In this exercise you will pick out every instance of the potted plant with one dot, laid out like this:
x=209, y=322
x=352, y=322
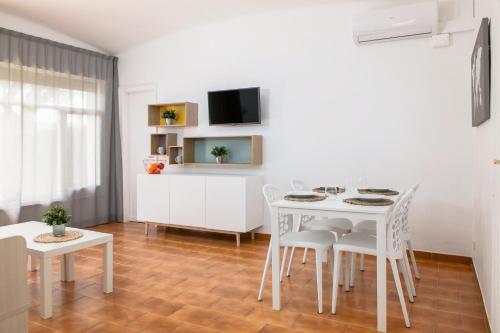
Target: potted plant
x=169, y=116
x=219, y=153
x=57, y=217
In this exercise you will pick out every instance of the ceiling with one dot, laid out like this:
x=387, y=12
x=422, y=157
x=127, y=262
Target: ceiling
x=116, y=25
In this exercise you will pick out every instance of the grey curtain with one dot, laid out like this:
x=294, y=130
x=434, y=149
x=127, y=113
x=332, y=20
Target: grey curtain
x=59, y=131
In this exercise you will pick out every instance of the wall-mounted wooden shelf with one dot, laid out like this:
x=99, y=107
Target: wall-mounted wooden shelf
x=187, y=114
x=243, y=150
x=162, y=140
x=173, y=152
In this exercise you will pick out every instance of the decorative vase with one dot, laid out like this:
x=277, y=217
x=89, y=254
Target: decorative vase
x=169, y=121
x=59, y=230
x=218, y=159
x=178, y=159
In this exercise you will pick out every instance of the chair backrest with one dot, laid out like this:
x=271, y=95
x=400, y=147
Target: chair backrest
x=406, y=224
x=272, y=194
x=395, y=227
x=299, y=185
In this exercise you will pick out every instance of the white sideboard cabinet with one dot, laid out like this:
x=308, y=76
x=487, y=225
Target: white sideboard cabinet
x=220, y=203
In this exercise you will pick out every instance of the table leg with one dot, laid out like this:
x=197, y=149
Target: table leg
x=381, y=274
x=275, y=255
x=32, y=263
x=108, y=267
x=46, y=287
x=68, y=267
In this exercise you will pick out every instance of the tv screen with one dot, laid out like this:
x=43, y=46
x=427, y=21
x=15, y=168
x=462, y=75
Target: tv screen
x=238, y=106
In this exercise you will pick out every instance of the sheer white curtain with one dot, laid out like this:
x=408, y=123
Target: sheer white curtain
x=52, y=123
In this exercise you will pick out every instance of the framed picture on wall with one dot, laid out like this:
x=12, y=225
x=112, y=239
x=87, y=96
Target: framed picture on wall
x=480, y=61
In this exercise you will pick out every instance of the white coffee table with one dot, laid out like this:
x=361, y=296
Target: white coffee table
x=46, y=251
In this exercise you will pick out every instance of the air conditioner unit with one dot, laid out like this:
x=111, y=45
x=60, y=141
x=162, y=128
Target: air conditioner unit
x=414, y=19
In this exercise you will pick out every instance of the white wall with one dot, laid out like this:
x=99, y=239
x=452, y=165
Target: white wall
x=486, y=235
x=394, y=113
x=19, y=24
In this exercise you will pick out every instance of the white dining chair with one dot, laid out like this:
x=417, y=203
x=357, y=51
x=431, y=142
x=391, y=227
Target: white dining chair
x=320, y=241
x=366, y=243
x=339, y=226
x=369, y=226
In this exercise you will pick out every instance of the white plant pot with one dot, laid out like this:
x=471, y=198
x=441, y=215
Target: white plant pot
x=59, y=230
x=218, y=159
x=169, y=121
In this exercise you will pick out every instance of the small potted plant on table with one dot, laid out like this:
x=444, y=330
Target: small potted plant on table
x=219, y=153
x=57, y=217
x=169, y=116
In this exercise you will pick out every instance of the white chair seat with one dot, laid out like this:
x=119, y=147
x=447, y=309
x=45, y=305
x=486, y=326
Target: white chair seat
x=369, y=226
x=340, y=226
x=318, y=240
x=359, y=242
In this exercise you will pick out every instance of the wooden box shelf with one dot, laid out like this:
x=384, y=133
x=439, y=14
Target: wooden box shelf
x=173, y=152
x=243, y=150
x=162, y=140
x=186, y=114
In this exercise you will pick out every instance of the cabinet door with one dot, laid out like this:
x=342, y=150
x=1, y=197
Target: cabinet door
x=225, y=203
x=153, y=198
x=187, y=200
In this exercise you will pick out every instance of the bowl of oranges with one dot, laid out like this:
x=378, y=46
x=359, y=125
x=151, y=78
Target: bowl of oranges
x=153, y=167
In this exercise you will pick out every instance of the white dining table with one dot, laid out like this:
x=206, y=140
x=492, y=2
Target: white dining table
x=333, y=207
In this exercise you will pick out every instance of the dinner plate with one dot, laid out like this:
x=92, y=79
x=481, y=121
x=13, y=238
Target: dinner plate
x=302, y=194
x=378, y=190
x=369, y=201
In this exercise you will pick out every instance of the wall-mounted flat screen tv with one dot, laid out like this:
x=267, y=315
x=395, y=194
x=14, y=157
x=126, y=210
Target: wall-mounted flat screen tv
x=234, y=107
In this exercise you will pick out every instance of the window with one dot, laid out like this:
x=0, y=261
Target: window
x=50, y=133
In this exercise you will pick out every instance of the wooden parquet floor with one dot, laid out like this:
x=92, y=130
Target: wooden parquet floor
x=180, y=281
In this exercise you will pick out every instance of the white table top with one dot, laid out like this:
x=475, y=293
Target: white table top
x=29, y=230
x=336, y=203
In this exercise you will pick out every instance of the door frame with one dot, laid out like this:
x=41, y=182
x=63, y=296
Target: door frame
x=124, y=92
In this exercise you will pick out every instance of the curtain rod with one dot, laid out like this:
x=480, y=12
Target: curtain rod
x=53, y=43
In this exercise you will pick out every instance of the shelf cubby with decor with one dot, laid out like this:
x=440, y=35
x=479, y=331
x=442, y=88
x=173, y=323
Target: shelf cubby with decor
x=186, y=114
x=173, y=152
x=243, y=150
x=165, y=140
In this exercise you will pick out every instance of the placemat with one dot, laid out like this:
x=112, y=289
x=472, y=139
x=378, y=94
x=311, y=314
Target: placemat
x=50, y=238
x=368, y=191
x=369, y=201
x=302, y=199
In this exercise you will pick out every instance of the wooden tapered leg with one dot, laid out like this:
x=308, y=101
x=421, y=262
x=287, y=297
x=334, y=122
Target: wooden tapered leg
x=238, y=240
x=146, y=228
